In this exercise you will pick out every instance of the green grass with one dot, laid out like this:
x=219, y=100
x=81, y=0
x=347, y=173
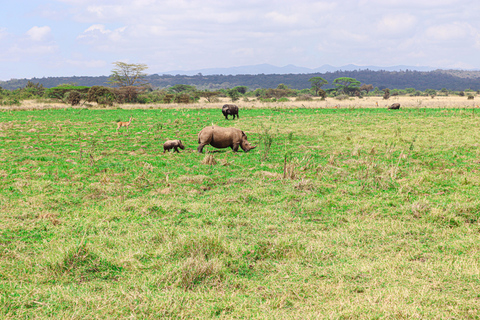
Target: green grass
x=349, y=213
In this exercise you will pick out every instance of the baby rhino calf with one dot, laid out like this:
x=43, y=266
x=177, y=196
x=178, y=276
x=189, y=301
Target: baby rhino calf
x=173, y=144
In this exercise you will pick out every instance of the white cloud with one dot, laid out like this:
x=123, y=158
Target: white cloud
x=89, y=64
x=39, y=33
x=447, y=32
x=98, y=34
x=396, y=24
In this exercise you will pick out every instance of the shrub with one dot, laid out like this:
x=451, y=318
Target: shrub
x=59, y=92
x=127, y=94
x=168, y=98
x=470, y=97
x=304, y=97
x=322, y=93
x=386, y=94
x=182, y=98
x=101, y=95
x=73, y=97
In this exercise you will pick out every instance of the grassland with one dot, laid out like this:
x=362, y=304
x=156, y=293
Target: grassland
x=339, y=213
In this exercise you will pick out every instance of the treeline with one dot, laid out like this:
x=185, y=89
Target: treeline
x=436, y=80
x=86, y=96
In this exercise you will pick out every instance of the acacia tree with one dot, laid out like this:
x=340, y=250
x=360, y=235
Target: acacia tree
x=366, y=87
x=347, y=85
x=128, y=74
x=317, y=83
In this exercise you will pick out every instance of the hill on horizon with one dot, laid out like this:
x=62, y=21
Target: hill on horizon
x=266, y=68
x=392, y=79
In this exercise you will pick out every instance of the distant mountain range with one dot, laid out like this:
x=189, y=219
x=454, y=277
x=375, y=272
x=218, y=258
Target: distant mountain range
x=268, y=76
x=288, y=69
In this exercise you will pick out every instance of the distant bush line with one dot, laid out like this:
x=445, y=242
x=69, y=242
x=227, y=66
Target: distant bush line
x=345, y=87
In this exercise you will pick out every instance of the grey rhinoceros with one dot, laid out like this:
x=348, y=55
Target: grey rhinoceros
x=219, y=137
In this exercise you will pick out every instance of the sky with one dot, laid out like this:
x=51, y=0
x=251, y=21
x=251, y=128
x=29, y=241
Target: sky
x=85, y=37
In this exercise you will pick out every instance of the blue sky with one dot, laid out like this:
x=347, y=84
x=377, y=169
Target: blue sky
x=84, y=37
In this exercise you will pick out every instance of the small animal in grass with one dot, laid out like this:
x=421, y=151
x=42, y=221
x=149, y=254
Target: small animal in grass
x=230, y=109
x=124, y=124
x=394, y=106
x=219, y=137
x=173, y=144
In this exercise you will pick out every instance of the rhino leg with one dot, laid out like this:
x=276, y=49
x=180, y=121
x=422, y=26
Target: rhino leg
x=235, y=147
x=200, y=147
x=176, y=149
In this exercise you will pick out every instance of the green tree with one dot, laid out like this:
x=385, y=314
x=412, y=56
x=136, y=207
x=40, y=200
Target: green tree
x=128, y=74
x=241, y=89
x=233, y=94
x=366, y=87
x=209, y=95
x=431, y=92
x=182, y=88
x=317, y=83
x=347, y=85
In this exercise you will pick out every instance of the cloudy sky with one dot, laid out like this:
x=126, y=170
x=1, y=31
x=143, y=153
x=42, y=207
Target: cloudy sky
x=84, y=37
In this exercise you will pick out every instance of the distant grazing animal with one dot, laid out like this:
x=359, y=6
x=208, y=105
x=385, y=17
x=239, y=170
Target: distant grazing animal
x=219, y=137
x=395, y=106
x=124, y=124
x=173, y=144
x=230, y=109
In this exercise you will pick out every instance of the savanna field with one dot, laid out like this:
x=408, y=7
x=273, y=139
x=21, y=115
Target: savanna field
x=346, y=212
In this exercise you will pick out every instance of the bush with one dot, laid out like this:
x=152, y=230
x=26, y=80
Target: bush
x=168, y=98
x=59, y=92
x=386, y=94
x=470, y=97
x=182, y=98
x=304, y=97
x=322, y=93
x=101, y=95
x=127, y=94
x=73, y=97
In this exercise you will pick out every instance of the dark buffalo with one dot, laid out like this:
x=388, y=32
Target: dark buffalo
x=230, y=109
x=394, y=106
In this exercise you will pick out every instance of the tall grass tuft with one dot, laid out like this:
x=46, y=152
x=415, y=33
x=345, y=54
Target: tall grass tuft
x=266, y=139
x=83, y=265
x=209, y=159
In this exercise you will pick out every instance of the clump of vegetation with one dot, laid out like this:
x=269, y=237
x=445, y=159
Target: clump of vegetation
x=73, y=97
x=101, y=95
x=386, y=94
x=209, y=159
x=304, y=97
